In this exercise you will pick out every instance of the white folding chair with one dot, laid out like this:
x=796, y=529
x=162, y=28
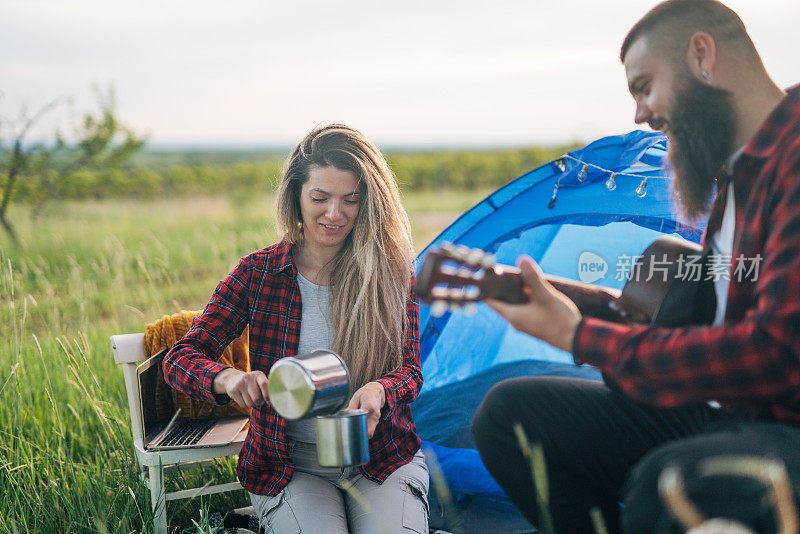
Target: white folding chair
x=128, y=351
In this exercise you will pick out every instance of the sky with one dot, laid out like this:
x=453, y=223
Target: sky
x=412, y=73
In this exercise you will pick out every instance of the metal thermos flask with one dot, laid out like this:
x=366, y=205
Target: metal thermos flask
x=310, y=384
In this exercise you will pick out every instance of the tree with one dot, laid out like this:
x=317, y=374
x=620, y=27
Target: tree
x=15, y=161
x=99, y=142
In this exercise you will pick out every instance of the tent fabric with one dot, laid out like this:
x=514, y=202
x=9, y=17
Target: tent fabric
x=585, y=215
x=447, y=412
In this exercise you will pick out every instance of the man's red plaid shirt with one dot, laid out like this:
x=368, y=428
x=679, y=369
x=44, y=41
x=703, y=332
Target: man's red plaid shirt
x=262, y=291
x=751, y=363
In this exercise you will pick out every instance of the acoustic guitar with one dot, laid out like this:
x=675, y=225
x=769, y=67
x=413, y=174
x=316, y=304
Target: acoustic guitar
x=667, y=286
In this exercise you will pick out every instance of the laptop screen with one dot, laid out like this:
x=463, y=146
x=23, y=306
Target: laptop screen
x=156, y=396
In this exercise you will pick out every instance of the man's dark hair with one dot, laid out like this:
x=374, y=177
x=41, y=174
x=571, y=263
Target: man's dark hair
x=670, y=24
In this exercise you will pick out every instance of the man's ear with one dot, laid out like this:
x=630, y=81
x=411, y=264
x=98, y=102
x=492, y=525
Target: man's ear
x=701, y=56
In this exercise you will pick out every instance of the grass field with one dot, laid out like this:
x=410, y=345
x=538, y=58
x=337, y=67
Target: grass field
x=88, y=270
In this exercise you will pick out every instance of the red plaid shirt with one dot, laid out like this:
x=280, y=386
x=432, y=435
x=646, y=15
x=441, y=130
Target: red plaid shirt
x=262, y=291
x=751, y=363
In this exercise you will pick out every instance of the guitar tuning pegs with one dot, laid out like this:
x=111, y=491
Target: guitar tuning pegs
x=460, y=252
x=438, y=308
x=455, y=294
x=488, y=261
x=474, y=257
x=470, y=308
x=466, y=272
x=471, y=293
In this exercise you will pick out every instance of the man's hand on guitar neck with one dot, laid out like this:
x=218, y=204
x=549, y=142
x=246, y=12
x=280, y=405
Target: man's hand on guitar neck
x=548, y=315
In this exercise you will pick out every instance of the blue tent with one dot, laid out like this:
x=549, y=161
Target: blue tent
x=584, y=216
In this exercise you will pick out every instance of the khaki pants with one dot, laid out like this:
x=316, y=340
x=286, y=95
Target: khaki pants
x=316, y=499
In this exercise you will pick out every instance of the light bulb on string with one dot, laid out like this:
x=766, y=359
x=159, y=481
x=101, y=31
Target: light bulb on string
x=641, y=191
x=553, y=198
x=583, y=173
x=611, y=183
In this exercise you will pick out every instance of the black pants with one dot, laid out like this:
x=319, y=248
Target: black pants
x=601, y=448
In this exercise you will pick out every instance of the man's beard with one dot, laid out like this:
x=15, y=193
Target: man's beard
x=700, y=140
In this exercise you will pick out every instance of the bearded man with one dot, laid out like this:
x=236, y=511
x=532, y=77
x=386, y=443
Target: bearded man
x=684, y=394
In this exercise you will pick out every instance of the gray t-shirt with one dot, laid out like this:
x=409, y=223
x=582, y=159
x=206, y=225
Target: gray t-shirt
x=316, y=332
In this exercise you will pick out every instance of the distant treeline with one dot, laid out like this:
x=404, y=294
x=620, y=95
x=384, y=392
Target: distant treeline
x=171, y=174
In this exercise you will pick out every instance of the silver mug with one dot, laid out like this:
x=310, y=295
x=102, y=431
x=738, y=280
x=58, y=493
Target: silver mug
x=342, y=438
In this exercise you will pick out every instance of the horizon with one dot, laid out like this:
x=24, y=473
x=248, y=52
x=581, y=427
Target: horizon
x=170, y=147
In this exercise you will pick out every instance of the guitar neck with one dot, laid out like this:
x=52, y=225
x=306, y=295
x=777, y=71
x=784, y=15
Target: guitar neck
x=456, y=275
x=593, y=301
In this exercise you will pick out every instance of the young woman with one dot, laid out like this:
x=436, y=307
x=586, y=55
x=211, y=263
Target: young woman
x=338, y=279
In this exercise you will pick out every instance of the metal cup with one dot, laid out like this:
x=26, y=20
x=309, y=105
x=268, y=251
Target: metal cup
x=309, y=384
x=342, y=439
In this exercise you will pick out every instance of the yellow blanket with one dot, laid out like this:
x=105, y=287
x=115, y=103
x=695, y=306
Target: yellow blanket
x=169, y=329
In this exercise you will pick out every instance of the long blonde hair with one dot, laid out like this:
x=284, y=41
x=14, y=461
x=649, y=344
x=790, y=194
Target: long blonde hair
x=370, y=275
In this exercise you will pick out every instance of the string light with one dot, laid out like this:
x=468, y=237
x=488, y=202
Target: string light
x=583, y=173
x=611, y=183
x=641, y=191
x=553, y=198
x=559, y=163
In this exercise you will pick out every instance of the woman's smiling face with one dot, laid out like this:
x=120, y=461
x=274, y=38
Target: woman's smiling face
x=329, y=202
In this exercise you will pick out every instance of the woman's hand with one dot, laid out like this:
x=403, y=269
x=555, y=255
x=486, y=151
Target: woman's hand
x=370, y=397
x=246, y=389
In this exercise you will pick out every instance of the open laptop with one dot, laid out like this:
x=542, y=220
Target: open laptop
x=182, y=433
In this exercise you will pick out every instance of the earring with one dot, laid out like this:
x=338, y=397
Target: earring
x=707, y=76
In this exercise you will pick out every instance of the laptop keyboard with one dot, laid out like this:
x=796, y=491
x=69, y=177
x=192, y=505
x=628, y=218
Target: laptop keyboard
x=186, y=432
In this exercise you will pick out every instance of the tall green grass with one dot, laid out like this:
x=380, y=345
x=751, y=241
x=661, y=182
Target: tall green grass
x=88, y=270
